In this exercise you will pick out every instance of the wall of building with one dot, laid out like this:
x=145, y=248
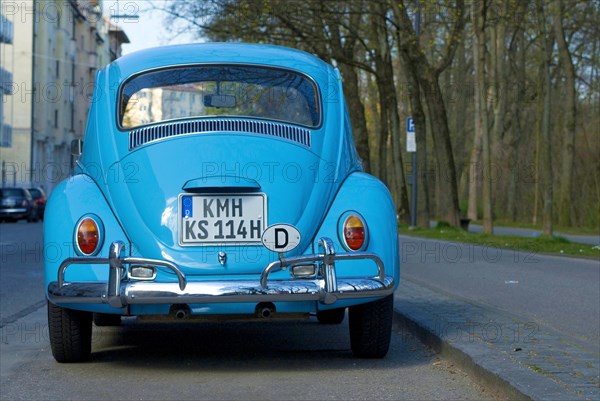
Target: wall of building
x=58, y=45
x=16, y=60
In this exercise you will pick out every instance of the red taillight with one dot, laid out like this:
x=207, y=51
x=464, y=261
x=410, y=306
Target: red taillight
x=354, y=232
x=25, y=203
x=88, y=236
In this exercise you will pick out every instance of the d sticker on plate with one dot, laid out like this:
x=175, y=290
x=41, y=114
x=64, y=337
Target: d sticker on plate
x=281, y=238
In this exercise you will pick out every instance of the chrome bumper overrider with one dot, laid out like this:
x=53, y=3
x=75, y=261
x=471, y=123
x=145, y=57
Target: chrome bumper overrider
x=325, y=287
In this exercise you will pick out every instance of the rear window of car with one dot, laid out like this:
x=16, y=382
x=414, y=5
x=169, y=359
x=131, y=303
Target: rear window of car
x=35, y=193
x=8, y=192
x=219, y=91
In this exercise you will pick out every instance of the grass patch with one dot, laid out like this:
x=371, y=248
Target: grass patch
x=537, y=369
x=538, y=227
x=541, y=244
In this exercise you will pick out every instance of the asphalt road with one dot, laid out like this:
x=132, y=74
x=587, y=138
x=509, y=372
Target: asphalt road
x=558, y=292
x=272, y=360
x=21, y=274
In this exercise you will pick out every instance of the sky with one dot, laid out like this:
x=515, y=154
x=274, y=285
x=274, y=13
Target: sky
x=146, y=31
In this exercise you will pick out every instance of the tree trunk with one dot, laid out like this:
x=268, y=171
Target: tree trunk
x=390, y=120
x=446, y=171
x=546, y=147
x=418, y=115
x=378, y=39
x=402, y=206
x=428, y=78
x=383, y=136
x=474, y=168
x=513, y=134
x=481, y=118
x=459, y=117
x=570, y=112
x=499, y=83
x=512, y=163
x=389, y=104
x=344, y=51
x=356, y=109
x=538, y=153
x=372, y=109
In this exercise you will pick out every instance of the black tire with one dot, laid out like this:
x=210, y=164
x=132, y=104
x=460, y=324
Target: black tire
x=33, y=216
x=106, y=319
x=70, y=334
x=331, y=316
x=371, y=328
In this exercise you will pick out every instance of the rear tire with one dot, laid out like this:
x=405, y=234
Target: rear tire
x=70, y=334
x=371, y=328
x=331, y=316
x=106, y=319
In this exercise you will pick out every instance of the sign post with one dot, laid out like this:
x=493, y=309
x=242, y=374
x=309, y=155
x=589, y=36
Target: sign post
x=411, y=146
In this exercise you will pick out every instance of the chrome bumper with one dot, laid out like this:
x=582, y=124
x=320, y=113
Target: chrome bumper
x=325, y=287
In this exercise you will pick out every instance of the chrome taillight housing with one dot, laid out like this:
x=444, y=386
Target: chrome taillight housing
x=354, y=234
x=88, y=235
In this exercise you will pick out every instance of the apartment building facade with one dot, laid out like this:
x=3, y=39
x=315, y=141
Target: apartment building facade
x=58, y=45
x=6, y=79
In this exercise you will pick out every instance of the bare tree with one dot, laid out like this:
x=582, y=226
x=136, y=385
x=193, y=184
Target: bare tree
x=531, y=52
x=478, y=17
x=427, y=76
x=546, y=147
x=565, y=203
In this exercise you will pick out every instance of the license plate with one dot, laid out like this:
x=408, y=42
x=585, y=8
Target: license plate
x=222, y=219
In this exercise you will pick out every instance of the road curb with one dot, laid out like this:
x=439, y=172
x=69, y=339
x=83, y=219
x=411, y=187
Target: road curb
x=461, y=359
x=516, y=359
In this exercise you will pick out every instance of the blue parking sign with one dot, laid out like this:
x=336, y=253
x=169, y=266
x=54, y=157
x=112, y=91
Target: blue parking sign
x=410, y=124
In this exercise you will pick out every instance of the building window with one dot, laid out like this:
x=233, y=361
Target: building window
x=5, y=136
x=6, y=30
x=73, y=26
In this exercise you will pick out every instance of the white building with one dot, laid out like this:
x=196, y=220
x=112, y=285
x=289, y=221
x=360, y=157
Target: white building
x=57, y=47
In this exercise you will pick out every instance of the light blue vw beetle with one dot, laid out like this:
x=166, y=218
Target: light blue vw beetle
x=220, y=180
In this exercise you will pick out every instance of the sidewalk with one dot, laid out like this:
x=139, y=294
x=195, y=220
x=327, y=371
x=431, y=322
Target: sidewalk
x=517, y=358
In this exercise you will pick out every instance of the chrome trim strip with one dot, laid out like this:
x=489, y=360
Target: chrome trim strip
x=327, y=288
x=276, y=265
x=153, y=133
x=146, y=292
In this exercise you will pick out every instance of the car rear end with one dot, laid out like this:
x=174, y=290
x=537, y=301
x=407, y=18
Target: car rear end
x=39, y=199
x=223, y=189
x=15, y=204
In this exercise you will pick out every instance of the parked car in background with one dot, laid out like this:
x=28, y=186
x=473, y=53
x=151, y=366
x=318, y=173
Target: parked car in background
x=17, y=204
x=39, y=198
x=217, y=181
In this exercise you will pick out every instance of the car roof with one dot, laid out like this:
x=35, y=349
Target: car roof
x=220, y=53
x=25, y=190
